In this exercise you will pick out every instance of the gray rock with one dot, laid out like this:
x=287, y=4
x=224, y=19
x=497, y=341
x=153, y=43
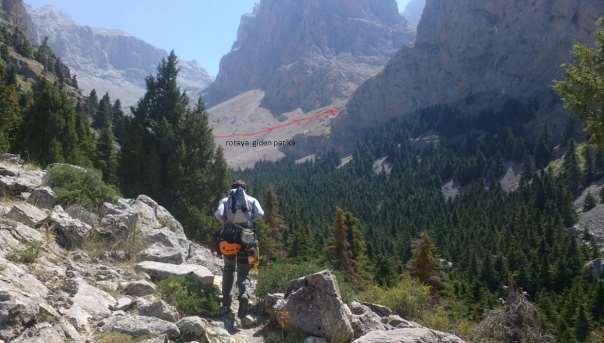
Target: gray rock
x=159, y=309
x=122, y=304
x=196, y=328
x=397, y=321
x=26, y=214
x=313, y=305
x=380, y=310
x=192, y=328
x=15, y=178
x=159, y=271
x=139, y=288
x=71, y=232
x=365, y=320
x=42, y=333
x=272, y=303
x=158, y=339
x=203, y=256
x=409, y=335
x=458, y=43
x=16, y=236
x=137, y=326
x=89, y=303
x=81, y=213
x=43, y=197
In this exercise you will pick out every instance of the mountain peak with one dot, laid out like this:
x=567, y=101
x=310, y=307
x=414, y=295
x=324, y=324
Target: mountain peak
x=291, y=41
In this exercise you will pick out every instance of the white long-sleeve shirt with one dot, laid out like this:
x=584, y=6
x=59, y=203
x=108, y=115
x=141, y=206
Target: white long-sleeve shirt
x=256, y=210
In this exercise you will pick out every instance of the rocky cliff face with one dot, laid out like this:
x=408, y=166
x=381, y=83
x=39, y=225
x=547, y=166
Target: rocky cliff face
x=294, y=59
x=109, y=60
x=476, y=53
x=413, y=11
x=304, y=54
x=14, y=13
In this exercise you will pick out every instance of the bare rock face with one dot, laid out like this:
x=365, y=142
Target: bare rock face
x=476, y=53
x=413, y=11
x=313, y=305
x=307, y=53
x=109, y=60
x=409, y=335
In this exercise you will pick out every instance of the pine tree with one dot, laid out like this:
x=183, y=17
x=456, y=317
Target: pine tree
x=423, y=265
x=343, y=254
x=168, y=152
x=601, y=194
x=583, y=86
x=272, y=240
x=10, y=117
x=589, y=203
x=358, y=247
x=385, y=271
x=85, y=136
x=571, y=171
x=49, y=133
x=118, y=121
x=590, y=167
x=107, y=155
x=582, y=325
x=92, y=105
x=543, y=149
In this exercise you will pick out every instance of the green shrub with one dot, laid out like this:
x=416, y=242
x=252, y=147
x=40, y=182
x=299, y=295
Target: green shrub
x=74, y=184
x=189, y=296
x=27, y=255
x=408, y=298
x=275, y=277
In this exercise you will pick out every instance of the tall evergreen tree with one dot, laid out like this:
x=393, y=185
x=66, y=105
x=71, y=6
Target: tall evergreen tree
x=423, y=265
x=48, y=133
x=10, y=116
x=118, y=120
x=168, y=152
x=583, y=86
x=273, y=238
x=571, y=170
x=107, y=155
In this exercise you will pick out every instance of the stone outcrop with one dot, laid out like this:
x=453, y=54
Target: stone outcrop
x=304, y=54
x=475, y=55
x=138, y=326
x=313, y=304
x=408, y=335
x=109, y=60
x=159, y=271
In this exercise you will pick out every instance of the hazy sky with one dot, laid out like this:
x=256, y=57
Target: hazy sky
x=203, y=30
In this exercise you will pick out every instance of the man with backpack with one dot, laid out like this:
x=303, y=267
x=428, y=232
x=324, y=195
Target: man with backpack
x=236, y=242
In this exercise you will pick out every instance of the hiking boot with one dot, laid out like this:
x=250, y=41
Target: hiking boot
x=243, y=306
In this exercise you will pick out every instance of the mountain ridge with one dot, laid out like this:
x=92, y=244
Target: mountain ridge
x=109, y=60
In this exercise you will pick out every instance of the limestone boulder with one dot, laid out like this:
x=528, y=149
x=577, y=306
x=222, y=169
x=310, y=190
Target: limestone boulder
x=138, y=326
x=26, y=214
x=43, y=197
x=159, y=271
x=313, y=304
x=408, y=335
x=71, y=232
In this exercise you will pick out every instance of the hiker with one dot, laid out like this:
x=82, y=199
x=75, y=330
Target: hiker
x=236, y=242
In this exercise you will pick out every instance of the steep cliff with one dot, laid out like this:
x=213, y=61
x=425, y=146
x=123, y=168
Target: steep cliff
x=305, y=54
x=413, y=11
x=477, y=53
x=109, y=60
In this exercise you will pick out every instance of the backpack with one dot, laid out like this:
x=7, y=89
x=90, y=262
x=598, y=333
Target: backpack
x=236, y=209
x=228, y=239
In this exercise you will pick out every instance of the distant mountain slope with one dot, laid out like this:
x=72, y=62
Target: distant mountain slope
x=293, y=58
x=109, y=60
x=413, y=11
x=304, y=54
x=477, y=53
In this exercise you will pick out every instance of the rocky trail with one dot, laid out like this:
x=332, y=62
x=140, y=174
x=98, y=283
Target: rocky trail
x=74, y=275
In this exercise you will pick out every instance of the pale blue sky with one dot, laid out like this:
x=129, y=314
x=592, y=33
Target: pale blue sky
x=203, y=30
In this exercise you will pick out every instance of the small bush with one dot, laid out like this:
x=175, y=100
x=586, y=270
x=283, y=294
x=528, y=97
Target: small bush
x=189, y=296
x=74, y=184
x=409, y=298
x=27, y=255
x=276, y=277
